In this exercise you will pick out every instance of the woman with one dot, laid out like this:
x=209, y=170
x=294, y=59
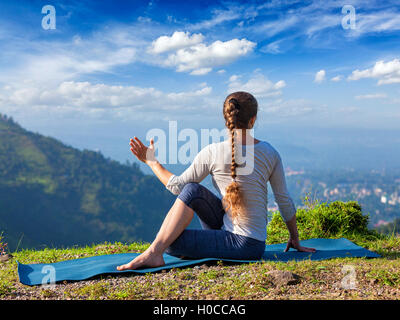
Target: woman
x=233, y=227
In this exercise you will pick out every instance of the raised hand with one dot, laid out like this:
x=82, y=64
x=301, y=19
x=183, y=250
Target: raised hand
x=143, y=153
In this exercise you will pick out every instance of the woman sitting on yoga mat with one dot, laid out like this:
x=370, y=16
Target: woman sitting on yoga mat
x=234, y=227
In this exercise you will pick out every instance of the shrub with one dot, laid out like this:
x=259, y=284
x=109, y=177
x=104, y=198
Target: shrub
x=322, y=220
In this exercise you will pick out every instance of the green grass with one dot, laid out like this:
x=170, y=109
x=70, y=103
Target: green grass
x=375, y=278
x=216, y=281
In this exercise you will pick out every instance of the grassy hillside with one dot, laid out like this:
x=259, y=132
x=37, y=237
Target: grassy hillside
x=374, y=278
x=54, y=195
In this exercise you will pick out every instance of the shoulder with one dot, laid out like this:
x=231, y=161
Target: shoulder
x=208, y=150
x=266, y=148
x=215, y=152
x=217, y=146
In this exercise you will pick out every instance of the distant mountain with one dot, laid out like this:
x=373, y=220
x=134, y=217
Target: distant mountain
x=55, y=195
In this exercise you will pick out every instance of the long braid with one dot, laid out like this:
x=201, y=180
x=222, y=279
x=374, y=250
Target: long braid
x=232, y=113
x=233, y=198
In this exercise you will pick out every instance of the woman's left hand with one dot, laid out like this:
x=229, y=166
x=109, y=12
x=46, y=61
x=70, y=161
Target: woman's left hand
x=295, y=244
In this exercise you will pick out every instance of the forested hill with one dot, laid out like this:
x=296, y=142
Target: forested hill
x=54, y=195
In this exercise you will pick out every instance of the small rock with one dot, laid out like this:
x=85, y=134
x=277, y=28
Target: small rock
x=280, y=277
x=5, y=257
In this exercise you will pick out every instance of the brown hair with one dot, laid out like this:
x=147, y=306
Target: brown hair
x=239, y=108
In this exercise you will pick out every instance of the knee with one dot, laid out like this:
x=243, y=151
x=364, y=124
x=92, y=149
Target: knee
x=189, y=192
x=191, y=188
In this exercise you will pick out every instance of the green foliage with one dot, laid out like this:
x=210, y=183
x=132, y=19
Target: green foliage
x=322, y=220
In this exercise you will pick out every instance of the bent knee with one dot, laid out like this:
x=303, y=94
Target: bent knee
x=192, y=188
x=189, y=192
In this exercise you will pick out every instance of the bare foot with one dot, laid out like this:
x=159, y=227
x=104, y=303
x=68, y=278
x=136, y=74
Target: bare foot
x=146, y=259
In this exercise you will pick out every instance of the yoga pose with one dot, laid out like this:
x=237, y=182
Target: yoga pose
x=233, y=226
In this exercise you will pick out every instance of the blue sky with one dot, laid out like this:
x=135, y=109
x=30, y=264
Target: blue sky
x=113, y=69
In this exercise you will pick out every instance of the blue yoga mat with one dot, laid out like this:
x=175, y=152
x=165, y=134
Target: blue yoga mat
x=85, y=268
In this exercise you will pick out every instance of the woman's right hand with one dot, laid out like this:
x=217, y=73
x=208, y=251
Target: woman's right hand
x=143, y=153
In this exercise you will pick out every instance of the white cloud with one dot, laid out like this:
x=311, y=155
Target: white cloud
x=56, y=61
x=219, y=16
x=272, y=28
x=273, y=47
x=201, y=71
x=258, y=85
x=234, y=77
x=201, y=58
x=377, y=22
x=372, y=96
x=233, y=12
x=320, y=76
x=178, y=40
x=87, y=96
x=336, y=78
x=385, y=72
x=319, y=23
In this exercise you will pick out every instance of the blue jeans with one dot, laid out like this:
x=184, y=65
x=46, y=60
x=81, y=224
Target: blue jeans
x=211, y=241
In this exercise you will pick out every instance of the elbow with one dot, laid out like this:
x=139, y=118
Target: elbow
x=173, y=185
x=287, y=209
x=175, y=190
x=288, y=217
